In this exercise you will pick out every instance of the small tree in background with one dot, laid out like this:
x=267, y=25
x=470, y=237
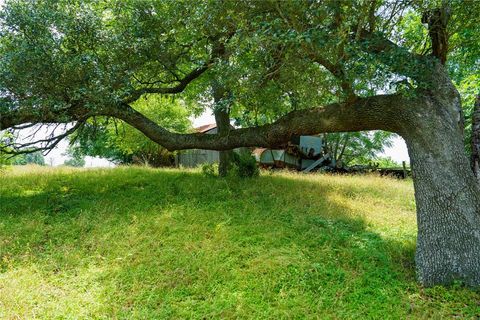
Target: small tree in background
x=76, y=159
x=4, y=139
x=29, y=158
x=123, y=144
x=357, y=147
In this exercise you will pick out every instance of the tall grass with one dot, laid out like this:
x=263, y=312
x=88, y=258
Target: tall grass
x=151, y=244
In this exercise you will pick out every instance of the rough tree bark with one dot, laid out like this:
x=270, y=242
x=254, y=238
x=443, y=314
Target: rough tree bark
x=222, y=110
x=475, y=160
x=222, y=119
x=446, y=193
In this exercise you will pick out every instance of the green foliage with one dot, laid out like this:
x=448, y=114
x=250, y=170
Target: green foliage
x=209, y=169
x=56, y=54
x=469, y=88
x=87, y=49
x=3, y=160
x=357, y=147
x=387, y=162
x=244, y=164
x=5, y=139
x=121, y=143
x=140, y=243
x=29, y=158
x=77, y=161
x=101, y=52
x=76, y=158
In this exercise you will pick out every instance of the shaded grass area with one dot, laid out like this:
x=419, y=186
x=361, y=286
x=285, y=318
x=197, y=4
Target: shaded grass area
x=144, y=243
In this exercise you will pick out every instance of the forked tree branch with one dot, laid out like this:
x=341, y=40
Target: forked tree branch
x=400, y=60
x=182, y=84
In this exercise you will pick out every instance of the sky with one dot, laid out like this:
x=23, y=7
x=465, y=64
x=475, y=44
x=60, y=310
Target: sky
x=398, y=151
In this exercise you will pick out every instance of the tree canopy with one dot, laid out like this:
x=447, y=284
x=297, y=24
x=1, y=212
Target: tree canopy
x=66, y=61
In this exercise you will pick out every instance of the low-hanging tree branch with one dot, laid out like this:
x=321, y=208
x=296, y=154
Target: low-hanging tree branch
x=357, y=114
x=380, y=112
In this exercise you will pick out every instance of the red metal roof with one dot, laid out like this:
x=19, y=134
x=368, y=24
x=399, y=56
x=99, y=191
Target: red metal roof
x=259, y=151
x=205, y=128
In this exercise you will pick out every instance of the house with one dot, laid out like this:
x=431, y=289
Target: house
x=304, y=153
x=194, y=157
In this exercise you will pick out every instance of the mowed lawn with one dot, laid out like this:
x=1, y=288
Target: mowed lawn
x=138, y=243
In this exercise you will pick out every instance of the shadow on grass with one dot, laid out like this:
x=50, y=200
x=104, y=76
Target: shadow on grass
x=177, y=244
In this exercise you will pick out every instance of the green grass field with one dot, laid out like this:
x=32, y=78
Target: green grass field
x=138, y=243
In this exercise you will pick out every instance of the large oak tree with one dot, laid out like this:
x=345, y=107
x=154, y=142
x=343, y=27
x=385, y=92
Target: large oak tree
x=328, y=66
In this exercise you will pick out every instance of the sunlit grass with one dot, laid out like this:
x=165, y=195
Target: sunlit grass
x=144, y=243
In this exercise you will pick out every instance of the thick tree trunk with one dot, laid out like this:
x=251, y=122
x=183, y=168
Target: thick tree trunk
x=222, y=119
x=446, y=193
x=475, y=160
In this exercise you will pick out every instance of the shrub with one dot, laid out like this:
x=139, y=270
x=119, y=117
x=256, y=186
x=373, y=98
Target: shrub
x=245, y=165
x=209, y=169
